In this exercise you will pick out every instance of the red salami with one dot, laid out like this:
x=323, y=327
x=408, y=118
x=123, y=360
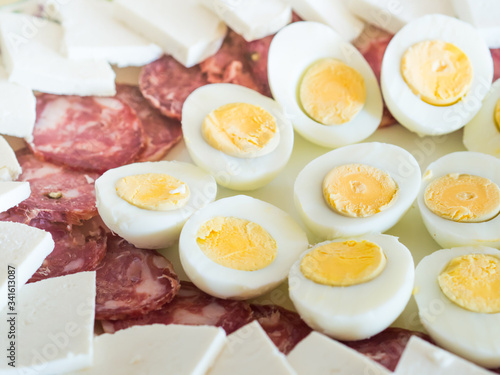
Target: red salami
x=191, y=306
x=387, y=347
x=132, y=282
x=284, y=327
x=57, y=194
x=161, y=133
x=495, y=54
x=86, y=133
x=166, y=84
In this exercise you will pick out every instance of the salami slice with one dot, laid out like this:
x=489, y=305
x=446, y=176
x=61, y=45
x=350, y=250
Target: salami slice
x=191, y=306
x=495, y=54
x=284, y=327
x=161, y=133
x=132, y=282
x=166, y=84
x=387, y=347
x=86, y=133
x=58, y=194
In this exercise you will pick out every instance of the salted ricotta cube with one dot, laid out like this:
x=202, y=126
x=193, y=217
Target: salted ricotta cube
x=391, y=15
x=421, y=357
x=252, y=19
x=24, y=248
x=320, y=355
x=250, y=351
x=31, y=51
x=333, y=13
x=9, y=166
x=184, y=29
x=12, y=193
x=92, y=32
x=54, y=326
x=483, y=15
x=157, y=349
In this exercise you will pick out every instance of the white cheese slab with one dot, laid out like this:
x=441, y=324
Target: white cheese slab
x=23, y=247
x=252, y=19
x=421, y=357
x=250, y=351
x=12, y=193
x=392, y=15
x=92, y=32
x=333, y=13
x=184, y=29
x=54, y=326
x=484, y=15
x=9, y=166
x=320, y=355
x=31, y=51
x=157, y=349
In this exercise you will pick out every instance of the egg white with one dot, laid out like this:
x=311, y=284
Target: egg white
x=359, y=311
x=292, y=51
x=471, y=335
x=150, y=229
x=229, y=171
x=412, y=112
x=225, y=282
x=448, y=233
x=326, y=223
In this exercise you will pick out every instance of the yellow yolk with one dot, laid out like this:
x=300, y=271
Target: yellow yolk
x=241, y=130
x=153, y=191
x=359, y=190
x=463, y=198
x=438, y=72
x=344, y=263
x=497, y=115
x=236, y=243
x=331, y=92
x=473, y=282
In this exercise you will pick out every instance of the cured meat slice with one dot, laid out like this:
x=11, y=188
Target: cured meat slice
x=387, y=347
x=131, y=282
x=191, y=306
x=166, y=84
x=86, y=133
x=58, y=194
x=495, y=54
x=284, y=327
x=161, y=133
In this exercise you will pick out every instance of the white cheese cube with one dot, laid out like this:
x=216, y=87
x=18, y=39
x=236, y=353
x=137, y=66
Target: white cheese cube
x=184, y=29
x=252, y=19
x=54, y=326
x=12, y=193
x=318, y=354
x=157, y=349
x=31, y=50
x=484, y=15
x=421, y=357
x=9, y=166
x=92, y=32
x=24, y=248
x=250, y=351
x=333, y=13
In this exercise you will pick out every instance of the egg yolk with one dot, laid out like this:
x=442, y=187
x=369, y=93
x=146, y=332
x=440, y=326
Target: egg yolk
x=153, y=191
x=359, y=190
x=344, y=263
x=236, y=243
x=438, y=72
x=331, y=92
x=241, y=130
x=473, y=282
x=463, y=198
x=497, y=115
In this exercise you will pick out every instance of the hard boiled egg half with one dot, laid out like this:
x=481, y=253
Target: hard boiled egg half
x=240, y=247
x=324, y=84
x=148, y=203
x=458, y=296
x=239, y=136
x=357, y=189
x=352, y=289
x=460, y=200
x=435, y=74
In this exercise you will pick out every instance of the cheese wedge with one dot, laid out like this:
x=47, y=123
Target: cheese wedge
x=12, y=193
x=483, y=15
x=9, y=166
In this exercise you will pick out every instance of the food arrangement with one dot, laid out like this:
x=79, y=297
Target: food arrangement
x=196, y=219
